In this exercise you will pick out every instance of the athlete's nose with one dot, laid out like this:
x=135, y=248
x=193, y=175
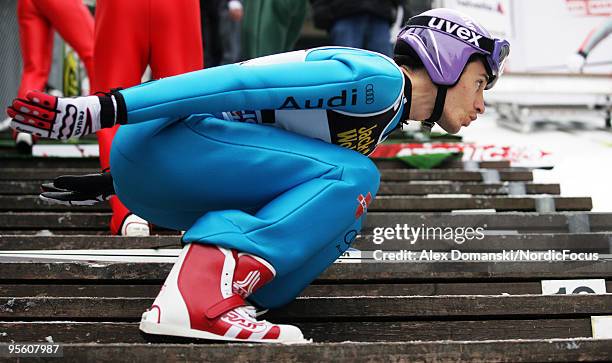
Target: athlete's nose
x=479, y=104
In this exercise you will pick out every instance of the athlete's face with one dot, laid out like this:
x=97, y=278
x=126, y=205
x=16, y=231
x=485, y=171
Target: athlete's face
x=465, y=100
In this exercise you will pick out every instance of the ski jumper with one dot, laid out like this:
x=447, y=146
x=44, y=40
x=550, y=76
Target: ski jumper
x=37, y=19
x=129, y=35
x=266, y=156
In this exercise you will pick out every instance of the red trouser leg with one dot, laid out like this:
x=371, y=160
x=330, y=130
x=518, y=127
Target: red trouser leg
x=75, y=25
x=127, y=38
x=36, y=22
x=37, y=19
x=120, y=211
x=121, y=53
x=176, y=40
x=36, y=37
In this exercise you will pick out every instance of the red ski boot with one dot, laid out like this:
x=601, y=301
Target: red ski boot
x=197, y=299
x=251, y=273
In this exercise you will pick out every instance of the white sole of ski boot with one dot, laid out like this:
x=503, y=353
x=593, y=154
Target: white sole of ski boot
x=134, y=226
x=177, y=331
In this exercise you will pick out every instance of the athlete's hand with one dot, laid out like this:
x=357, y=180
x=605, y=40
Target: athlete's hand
x=56, y=118
x=86, y=189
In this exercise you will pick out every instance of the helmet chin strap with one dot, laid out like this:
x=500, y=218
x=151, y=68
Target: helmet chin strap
x=438, y=108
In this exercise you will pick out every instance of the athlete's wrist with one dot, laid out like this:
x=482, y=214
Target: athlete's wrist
x=112, y=109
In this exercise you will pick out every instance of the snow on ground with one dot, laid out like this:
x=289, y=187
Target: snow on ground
x=582, y=156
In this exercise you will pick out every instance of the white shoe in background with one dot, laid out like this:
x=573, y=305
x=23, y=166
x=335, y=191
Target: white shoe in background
x=5, y=124
x=134, y=226
x=24, y=142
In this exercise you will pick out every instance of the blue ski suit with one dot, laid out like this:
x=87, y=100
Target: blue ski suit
x=267, y=156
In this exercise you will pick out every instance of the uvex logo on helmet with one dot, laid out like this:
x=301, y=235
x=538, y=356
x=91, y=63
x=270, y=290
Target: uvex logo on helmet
x=457, y=30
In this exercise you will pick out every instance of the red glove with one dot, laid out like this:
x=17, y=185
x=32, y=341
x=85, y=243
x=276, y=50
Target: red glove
x=61, y=118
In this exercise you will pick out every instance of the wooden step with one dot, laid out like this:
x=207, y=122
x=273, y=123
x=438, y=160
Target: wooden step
x=450, y=164
x=535, y=350
x=150, y=289
x=21, y=203
x=510, y=222
x=15, y=174
x=444, y=204
x=14, y=269
x=8, y=161
x=453, y=175
x=121, y=332
x=325, y=308
x=19, y=174
x=12, y=160
x=581, y=242
x=55, y=221
x=424, y=188
x=32, y=187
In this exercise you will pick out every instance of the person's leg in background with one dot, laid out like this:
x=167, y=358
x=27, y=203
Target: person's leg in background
x=378, y=35
x=176, y=38
x=211, y=32
x=349, y=31
x=271, y=26
x=75, y=25
x=230, y=28
x=301, y=195
x=297, y=14
x=124, y=44
x=36, y=37
x=37, y=20
x=250, y=28
x=121, y=53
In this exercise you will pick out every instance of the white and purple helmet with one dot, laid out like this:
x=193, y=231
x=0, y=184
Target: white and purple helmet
x=445, y=39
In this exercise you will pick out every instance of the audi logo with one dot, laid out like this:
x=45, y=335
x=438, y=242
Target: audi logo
x=369, y=93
